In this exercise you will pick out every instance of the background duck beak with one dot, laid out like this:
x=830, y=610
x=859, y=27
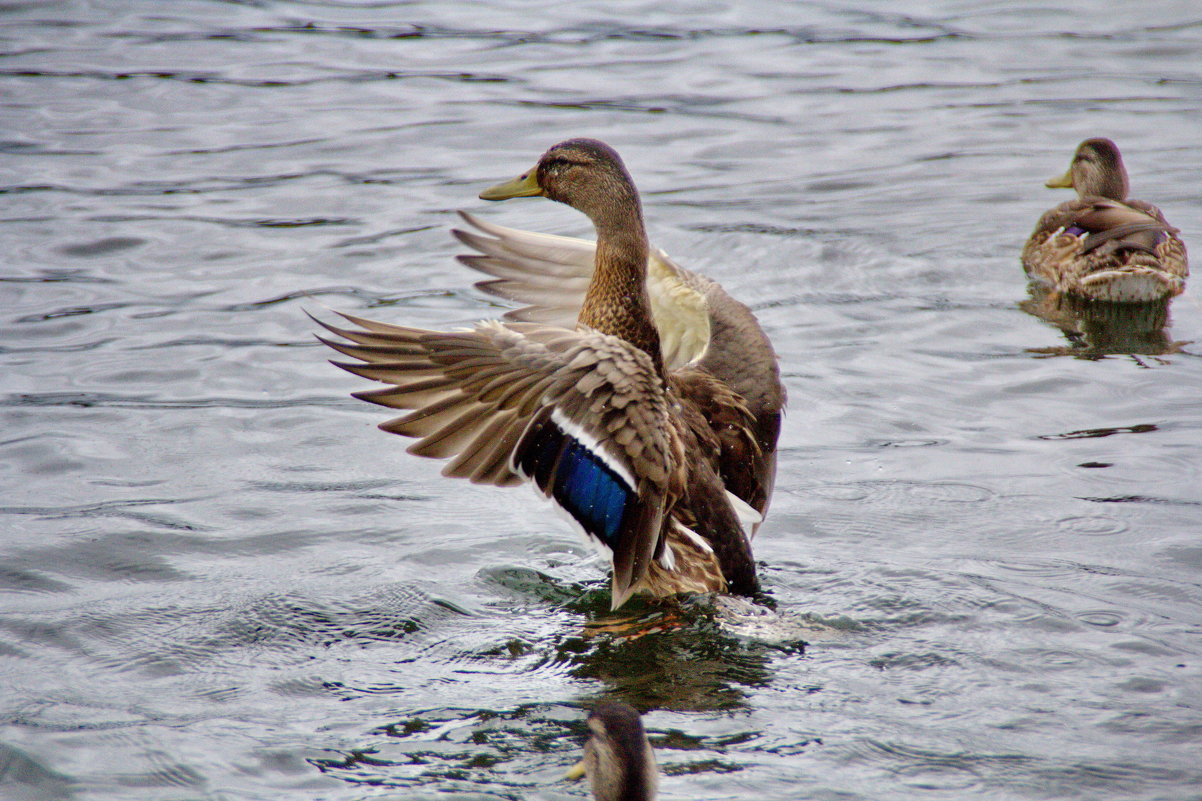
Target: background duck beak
x=525, y=185
x=1062, y=182
x=576, y=771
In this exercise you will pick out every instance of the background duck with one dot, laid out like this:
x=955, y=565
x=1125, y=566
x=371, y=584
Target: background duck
x=633, y=448
x=618, y=759
x=1103, y=246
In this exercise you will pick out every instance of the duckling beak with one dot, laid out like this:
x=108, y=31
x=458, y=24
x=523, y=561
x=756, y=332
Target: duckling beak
x=525, y=185
x=1062, y=182
x=576, y=771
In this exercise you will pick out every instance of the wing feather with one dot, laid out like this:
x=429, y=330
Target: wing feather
x=583, y=415
x=549, y=275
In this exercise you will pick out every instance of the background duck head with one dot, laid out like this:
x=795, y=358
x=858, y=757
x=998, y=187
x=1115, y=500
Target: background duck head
x=618, y=759
x=1096, y=171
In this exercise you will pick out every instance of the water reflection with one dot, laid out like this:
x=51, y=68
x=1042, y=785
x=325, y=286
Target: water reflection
x=694, y=653
x=1095, y=330
x=680, y=658
x=26, y=777
x=655, y=655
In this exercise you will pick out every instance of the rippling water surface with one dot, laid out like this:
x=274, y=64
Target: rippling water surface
x=219, y=580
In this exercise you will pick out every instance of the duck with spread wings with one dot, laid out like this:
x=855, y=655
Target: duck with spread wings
x=651, y=417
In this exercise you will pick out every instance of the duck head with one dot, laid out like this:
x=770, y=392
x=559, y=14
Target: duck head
x=1096, y=171
x=586, y=174
x=618, y=760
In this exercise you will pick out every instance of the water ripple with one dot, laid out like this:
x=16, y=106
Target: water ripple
x=1094, y=526
x=89, y=400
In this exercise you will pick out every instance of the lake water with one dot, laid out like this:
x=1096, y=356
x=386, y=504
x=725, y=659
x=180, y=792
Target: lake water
x=219, y=580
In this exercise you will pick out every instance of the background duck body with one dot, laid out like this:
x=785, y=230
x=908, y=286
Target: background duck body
x=635, y=447
x=1102, y=246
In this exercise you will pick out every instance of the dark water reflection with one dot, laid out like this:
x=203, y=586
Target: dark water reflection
x=1097, y=330
x=219, y=580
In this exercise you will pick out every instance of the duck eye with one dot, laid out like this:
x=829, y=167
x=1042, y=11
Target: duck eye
x=557, y=164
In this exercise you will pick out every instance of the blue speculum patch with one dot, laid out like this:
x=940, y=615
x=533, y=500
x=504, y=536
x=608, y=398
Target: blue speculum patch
x=579, y=480
x=592, y=492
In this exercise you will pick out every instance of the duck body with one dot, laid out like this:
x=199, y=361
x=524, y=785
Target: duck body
x=703, y=331
x=634, y=447
x=1103, y=246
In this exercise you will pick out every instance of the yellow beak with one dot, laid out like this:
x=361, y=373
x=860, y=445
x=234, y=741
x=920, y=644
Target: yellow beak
x=576, y=771
x=1062, y=182
x=525, y=185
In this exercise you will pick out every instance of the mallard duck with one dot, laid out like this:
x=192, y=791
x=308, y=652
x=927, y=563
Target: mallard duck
x=618, y=759
x=1103, y=246
x=636, y=448
x=698, y=322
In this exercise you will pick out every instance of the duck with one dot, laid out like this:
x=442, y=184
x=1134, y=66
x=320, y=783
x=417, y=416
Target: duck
x=698, y=322
x=618, y=759
x=1104, y=246
x=663, y=456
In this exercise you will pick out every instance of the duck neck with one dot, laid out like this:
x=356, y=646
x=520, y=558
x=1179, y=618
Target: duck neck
x=1106, y=177
x=617, y=302
x=1112, y=185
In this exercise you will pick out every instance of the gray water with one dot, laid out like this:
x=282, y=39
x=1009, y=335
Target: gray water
x=219, y=580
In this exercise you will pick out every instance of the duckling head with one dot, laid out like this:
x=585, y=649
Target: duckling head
x=618, y=760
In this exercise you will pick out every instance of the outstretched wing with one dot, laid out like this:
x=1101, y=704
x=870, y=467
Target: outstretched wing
x=550, y=274
x=582, y=415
